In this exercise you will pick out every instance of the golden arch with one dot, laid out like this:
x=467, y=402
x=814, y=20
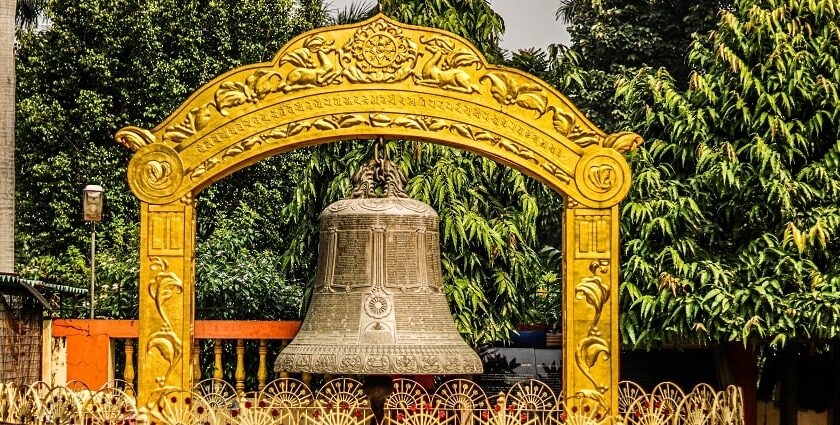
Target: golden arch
x=379, y=77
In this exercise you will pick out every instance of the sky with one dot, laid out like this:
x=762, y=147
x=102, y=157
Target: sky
x=528, y=23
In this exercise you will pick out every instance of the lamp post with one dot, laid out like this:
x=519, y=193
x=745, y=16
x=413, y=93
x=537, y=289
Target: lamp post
x=93, y=197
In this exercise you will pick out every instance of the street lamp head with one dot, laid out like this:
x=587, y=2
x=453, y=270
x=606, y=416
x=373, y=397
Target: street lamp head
x=93, y=197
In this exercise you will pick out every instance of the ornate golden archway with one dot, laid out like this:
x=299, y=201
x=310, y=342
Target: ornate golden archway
x=379, y=77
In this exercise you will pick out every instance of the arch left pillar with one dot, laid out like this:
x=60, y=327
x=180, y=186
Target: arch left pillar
x=167, y=298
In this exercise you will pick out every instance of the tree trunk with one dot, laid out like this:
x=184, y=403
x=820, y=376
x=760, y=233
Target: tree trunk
x=7, y=135
x=789, y=403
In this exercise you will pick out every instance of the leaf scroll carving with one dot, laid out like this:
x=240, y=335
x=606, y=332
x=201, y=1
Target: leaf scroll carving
x=255, y=88
x=165, y=341
x=508, y=91
x=593, y=347
x=134, y=138
x=589, y=351
x=623, y=142
x=195, y=120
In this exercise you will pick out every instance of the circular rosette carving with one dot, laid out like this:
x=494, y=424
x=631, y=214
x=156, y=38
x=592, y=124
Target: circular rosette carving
x=155, y=172
x=377, y=305
x=379, y=52
x=603, y=176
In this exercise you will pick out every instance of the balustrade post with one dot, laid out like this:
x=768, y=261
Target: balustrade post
x=240, y=367
x=217, y=360
x=128, y=371
x=262, y=371
x=196, y=362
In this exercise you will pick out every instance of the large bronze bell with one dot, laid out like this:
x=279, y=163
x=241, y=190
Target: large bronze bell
x=378, y=306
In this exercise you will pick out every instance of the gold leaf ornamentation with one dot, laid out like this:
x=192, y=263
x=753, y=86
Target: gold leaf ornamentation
x=242, y=146
x=380, y=120
x=158, y=173
x=196, y=119
x=563, y=120
x=508, y=91
x=298, y=127
x=325, y=124
x=256, y=87
x=584, y=138
x=163, y=286
x=596, y=293
x=203, y=168
x=443, y=69
x=134, y=138
x=351, y=120
x=589, y=350
x=522, y=151
x=601, y=176
x=623, y=142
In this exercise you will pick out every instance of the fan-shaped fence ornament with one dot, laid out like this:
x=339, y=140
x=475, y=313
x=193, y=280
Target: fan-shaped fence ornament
x=124, y=386
x=628, y=392
x=219, y=394
x=343, y=402
x=580, y=410
x=532, y=395
x=696, y=407
x=407, y=394
x=729, y=407
x=286, y=392
x=250, y=412
x=26, y=405
x=343, y=394
x=61, y=406
x=41, y=388
x=110, y=405
x=183, y=407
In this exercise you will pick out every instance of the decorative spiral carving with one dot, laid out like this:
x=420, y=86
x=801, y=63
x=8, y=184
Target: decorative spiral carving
x=600, y=176
x=155, y=172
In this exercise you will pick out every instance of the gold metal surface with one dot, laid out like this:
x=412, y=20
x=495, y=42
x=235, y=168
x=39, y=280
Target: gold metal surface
x=378, y=306
x=379, y=78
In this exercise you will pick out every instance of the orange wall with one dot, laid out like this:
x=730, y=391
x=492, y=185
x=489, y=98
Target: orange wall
x=89, y=354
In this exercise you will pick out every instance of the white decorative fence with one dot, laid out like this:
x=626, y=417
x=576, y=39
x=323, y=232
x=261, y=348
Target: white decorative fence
x=343, y=401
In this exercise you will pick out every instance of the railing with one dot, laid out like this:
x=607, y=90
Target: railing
x=98, y=351
x=342, y=401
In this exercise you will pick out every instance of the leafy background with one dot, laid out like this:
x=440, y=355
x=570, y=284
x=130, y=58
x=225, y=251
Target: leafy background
x=729, y=233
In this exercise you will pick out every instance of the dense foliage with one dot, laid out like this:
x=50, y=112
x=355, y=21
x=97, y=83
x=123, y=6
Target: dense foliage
x=614, y=38
x=105, y=64
x=729, y=233
x=731, y=230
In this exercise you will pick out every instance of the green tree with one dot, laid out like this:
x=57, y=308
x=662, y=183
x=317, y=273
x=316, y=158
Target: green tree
x=611, y=39
x=28, y=13
x=731, y=229
x=104, y=64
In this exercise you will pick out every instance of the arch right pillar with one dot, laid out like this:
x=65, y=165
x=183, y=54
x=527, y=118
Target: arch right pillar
x=591, y=339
